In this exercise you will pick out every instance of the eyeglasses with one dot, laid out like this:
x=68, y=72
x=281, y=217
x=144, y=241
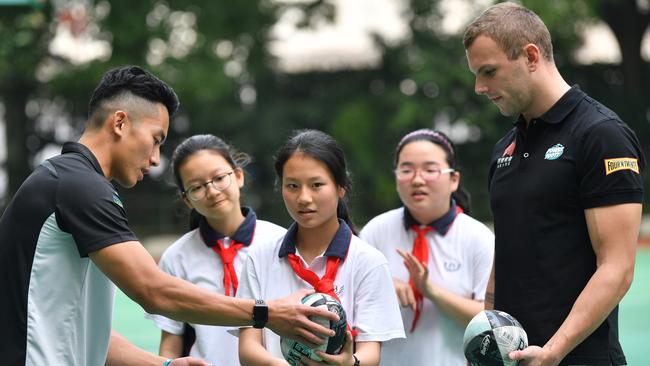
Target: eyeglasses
x=428, y=174
x=219, y=182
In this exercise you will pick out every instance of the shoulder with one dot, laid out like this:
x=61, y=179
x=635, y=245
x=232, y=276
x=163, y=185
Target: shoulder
x=364, y=254
x=269, y=230
x=186, y=243
x=384, y=221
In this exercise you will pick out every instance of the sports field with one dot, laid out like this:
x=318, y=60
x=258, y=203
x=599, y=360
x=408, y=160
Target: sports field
x=634, y=317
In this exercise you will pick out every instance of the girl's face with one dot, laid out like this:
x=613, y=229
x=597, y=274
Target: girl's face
x=309, y=191
x=207, y=166
x=422, y=183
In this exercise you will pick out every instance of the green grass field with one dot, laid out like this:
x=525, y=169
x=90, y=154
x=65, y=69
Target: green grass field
x=634, y=318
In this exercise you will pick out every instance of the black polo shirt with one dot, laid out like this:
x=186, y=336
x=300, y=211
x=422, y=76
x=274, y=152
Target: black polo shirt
x=56, y=305
x=578, y=155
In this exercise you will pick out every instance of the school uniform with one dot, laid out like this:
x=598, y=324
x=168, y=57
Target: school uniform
x=363, y=284
x=193, y=258
x=461, y=250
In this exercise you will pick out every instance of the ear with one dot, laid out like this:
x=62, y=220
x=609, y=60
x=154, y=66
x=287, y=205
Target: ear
x=341, y=192
x=455, y=181
x=187, y=202
x=118, y=121
x=239, y=177
x=533, y=56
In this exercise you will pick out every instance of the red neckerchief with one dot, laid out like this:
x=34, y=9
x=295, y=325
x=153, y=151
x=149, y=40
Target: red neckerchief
x=324, y=284
x=228, y=256
x=421, y=253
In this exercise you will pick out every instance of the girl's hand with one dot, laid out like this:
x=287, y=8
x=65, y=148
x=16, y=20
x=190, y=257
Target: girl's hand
x=418, y=272
x=342, y=359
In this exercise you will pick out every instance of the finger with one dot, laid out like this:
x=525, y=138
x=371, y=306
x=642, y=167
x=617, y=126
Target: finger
x=410, y=296
x=311, y=311
x=308, y=339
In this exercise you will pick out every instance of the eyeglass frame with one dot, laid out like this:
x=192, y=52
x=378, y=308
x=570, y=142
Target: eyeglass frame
x=415, y=172
x=186, y=193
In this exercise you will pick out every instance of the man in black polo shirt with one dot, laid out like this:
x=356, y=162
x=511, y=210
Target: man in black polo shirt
x=566, y=193
x=64, y=241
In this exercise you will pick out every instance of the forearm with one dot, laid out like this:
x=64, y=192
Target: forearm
x=600, y=296
x=171, y=345
x=252, y=352
x=122, y=353
x=459, y=308
x=180, y=300
x=368, y=353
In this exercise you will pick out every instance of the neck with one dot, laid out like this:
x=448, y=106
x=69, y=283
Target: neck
x=227, y=225
x=94, y=141
x=430, y=215
x=548, y=89
x=312, y=242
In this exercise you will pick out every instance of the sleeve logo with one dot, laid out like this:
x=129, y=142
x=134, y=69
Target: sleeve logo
x=117, y=200
x=614, y=165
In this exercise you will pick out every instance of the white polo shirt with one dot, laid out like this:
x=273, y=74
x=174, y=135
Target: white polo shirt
x=363, y=283
x=459, y=260
x=191, y=259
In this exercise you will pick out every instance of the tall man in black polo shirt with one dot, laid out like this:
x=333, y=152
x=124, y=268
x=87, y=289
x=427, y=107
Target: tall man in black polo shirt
x=565, y=190
x=64, y=241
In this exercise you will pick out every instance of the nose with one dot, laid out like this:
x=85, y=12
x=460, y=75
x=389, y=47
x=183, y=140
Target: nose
x=479, y=87
x=417, y=177
x=304, y=196
x=155, y=157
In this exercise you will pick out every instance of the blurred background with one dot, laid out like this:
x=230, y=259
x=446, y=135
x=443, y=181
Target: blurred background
x=365, y=71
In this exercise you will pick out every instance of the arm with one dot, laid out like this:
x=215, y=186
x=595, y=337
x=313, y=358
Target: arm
x=457, y=307
x=489, y=292
x=613, y=231
x=123, y=353
x=134, y=271
x=252, y=352
x=171, y=345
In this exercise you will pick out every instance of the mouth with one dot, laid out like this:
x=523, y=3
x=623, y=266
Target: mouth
x=306, y=212
x=495, y=99
x=419, y=195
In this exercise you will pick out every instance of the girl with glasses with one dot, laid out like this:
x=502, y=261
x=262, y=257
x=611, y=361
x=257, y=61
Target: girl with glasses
x=209, y=174
x=320, y=251
x=440, y=258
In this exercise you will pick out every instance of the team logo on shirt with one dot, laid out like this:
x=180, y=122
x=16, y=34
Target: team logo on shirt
x=338, y=290
x=614, y=165
x=554, y=152
x=506, y=157
x=451, y=266
x=117, y=200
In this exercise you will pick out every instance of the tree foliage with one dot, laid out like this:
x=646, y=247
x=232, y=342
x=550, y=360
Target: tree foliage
x=216, y=57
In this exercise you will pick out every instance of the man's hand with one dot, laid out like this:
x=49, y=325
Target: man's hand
x=289, y=318
x=534, y=356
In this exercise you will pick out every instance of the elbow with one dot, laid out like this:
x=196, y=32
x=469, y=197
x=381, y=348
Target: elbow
x=151, y=298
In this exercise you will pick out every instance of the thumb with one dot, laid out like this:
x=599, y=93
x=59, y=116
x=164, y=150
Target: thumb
x=521, y=354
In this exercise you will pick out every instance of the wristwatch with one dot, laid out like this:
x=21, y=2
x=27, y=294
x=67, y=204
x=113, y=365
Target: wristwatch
x=356, y=360
x=260, y=314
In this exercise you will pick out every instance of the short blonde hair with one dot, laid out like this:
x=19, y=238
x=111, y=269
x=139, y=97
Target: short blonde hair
x=511, y=26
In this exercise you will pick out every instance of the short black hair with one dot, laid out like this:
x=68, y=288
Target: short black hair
x=136, y=81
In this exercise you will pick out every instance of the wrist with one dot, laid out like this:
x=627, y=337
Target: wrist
x=168, y=362
x=260, y=314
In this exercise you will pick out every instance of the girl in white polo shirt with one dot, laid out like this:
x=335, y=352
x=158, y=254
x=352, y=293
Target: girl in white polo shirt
x=209, y=174
x=311, y=169
x=440, y=258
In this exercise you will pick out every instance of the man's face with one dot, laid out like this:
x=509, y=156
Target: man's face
x=505, y=82
x=139, y=147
